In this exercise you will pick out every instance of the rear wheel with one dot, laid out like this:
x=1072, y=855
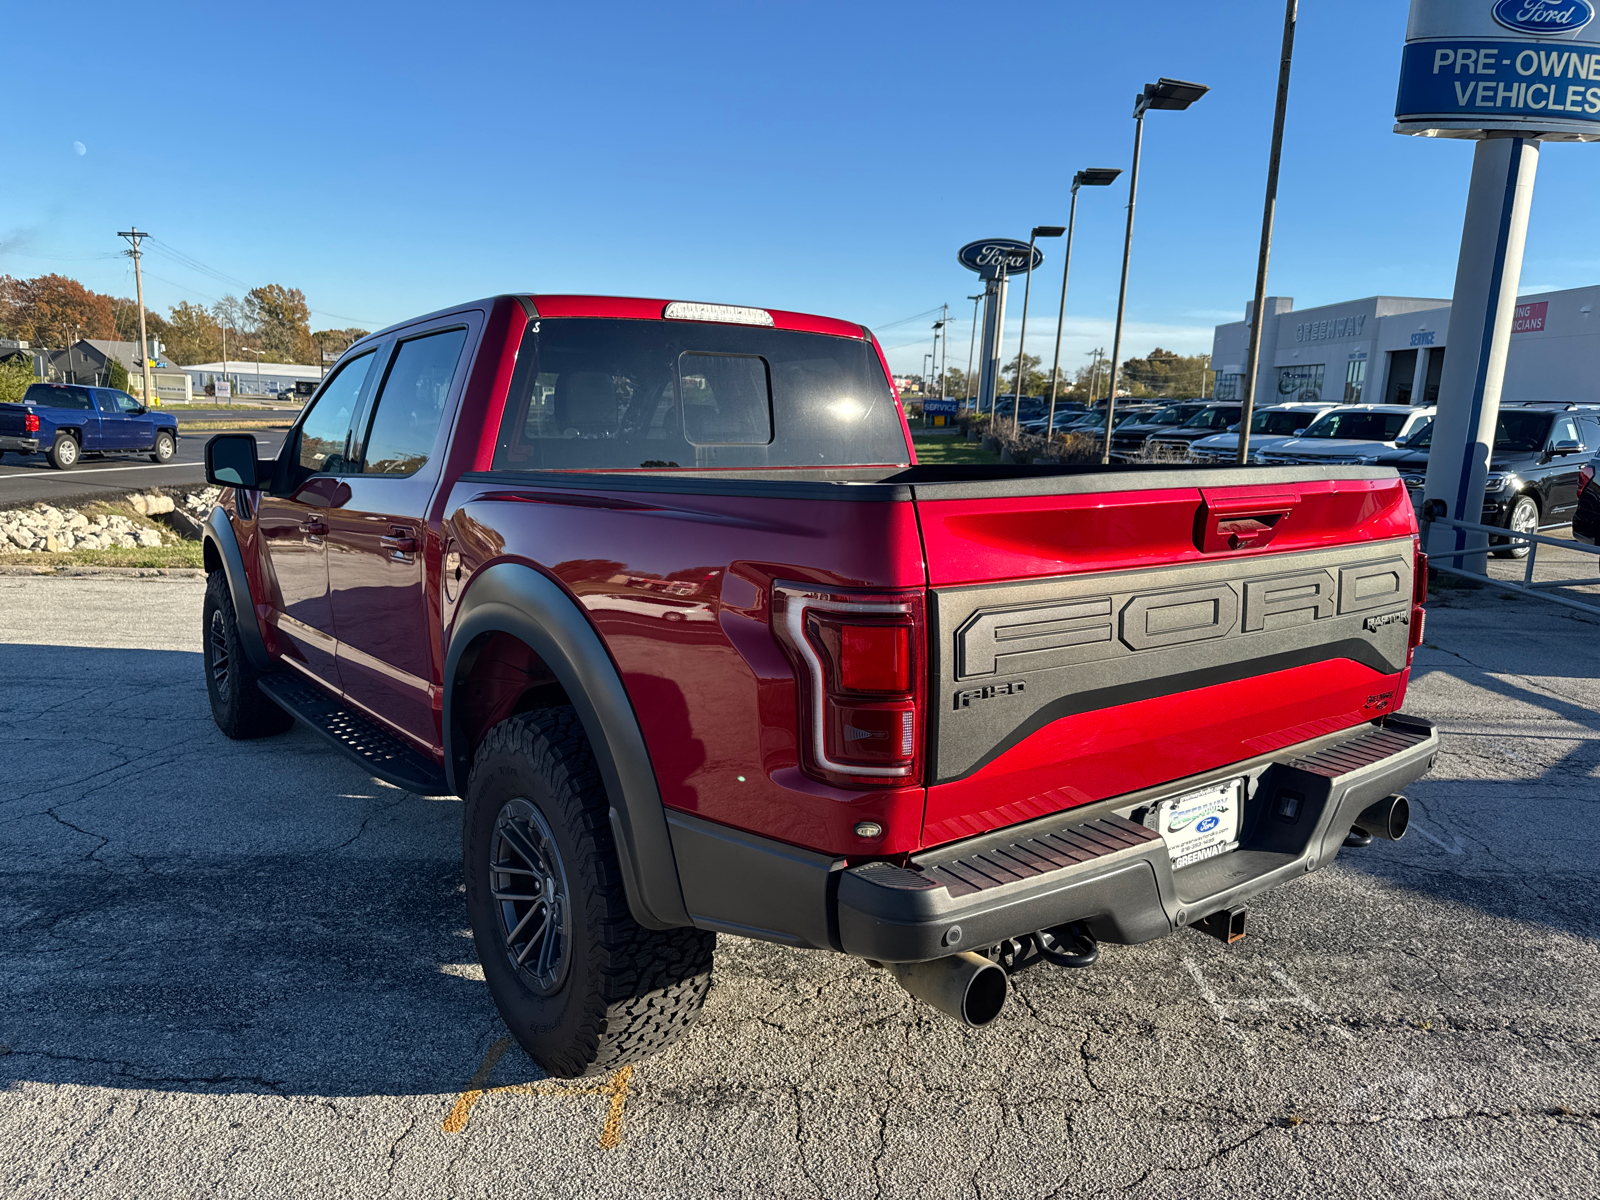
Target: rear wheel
x=581, y=985
x=1524, y=519
x=64, y=454
x=165, y=449
x=238, y=706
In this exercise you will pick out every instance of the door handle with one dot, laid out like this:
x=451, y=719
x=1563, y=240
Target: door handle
x=313, y=528
x=399, y=543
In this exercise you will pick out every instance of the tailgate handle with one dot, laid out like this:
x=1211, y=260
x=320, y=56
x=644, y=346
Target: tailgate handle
x=1239, y=523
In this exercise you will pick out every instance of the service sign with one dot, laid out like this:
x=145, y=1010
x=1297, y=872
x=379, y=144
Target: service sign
x=986, y=257
x=1501, y=66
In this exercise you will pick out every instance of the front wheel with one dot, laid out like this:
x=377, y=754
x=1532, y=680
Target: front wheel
x=581, y=985
x=165, y=449
x=240, y=709
x=1524, y=519
x=63, y=455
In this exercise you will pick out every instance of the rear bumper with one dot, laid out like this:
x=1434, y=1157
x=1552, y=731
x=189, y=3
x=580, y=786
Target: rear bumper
x=1094, y=864
x=22, y=445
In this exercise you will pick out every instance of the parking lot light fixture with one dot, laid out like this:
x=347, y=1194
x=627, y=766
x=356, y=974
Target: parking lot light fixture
x=1089, y=177
x=1173, y=94
x=1039, y=231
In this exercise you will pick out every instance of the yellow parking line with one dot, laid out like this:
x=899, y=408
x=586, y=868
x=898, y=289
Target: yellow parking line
x=615, y=1087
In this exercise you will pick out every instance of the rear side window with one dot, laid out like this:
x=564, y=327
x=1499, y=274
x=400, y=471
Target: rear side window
x=325, y=432
x=595, y=394
x=410, y=407
x=58, y=397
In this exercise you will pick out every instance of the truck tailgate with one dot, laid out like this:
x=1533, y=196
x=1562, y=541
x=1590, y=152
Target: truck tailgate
x=1107, y=633
x=11, y=419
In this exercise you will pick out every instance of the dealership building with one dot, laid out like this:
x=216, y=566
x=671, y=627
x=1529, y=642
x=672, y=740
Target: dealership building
x=1390, y=350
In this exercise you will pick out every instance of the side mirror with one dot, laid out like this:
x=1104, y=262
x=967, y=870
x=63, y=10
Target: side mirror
x=1234, y=428
x=231, y=461
x=1299, y=432
x=1565, y=447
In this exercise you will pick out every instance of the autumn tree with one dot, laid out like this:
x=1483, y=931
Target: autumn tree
x=54, y=311
x=193, y=335
x=336, y=341
x=281, y=323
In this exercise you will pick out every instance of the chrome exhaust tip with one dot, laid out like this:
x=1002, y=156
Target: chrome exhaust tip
x=1389, y=818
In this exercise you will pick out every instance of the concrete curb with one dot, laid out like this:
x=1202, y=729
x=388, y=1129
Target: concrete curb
x=115, y=572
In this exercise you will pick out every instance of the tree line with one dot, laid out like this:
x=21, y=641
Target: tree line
x=1160, y=374
x=52, y=311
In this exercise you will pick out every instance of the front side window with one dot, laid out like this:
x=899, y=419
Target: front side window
x=126, y=402
x=325, y=431
x=602, y=394
x=1212, y=418
x=410, y=407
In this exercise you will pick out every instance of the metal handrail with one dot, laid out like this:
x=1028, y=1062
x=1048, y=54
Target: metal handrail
x=1533, y=540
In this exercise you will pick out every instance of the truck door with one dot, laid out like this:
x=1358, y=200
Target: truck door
x=294, y=526
x=378, y=536
x=115, y=426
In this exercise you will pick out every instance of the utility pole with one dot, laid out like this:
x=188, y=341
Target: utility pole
x=944, y=323
x=1268, y=213
x=133, y=235
x=972, y=345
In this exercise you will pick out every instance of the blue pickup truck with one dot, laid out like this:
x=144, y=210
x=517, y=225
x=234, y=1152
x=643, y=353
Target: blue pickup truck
x=67, y=421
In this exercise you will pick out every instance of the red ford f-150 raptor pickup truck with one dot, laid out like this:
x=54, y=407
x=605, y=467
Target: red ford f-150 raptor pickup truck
x=659, y=589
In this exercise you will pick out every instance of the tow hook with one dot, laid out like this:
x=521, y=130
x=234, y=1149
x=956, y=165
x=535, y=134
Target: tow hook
x=1227, y=925
x=1070, y=945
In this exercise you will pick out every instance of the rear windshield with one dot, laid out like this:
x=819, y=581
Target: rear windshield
x=1359, y=426
x=57, y=397
x=604, y=394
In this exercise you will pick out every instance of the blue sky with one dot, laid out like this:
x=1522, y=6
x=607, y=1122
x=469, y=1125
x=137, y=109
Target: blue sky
x=828, y=157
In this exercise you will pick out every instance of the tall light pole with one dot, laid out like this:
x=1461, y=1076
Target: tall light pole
x=972, y=345
x=257, y=353
x=1269, y=210
x=133, y=235
x=1039, y=231
x=1089, y=177
x=1164, y=93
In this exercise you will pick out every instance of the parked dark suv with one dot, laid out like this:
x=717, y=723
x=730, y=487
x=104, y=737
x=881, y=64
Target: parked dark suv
x=1533, y=473
x=1586, y=521
x=1128, y=440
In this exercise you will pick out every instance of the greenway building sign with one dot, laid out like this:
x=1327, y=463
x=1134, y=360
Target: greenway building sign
x=1516, y=66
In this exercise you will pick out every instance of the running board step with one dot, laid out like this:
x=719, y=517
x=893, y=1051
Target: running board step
x=375, y=749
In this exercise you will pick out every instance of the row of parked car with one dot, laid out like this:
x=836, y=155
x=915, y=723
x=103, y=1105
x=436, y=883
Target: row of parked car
x=1541, y=472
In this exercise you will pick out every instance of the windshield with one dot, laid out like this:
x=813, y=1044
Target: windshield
x=1359, y=426
x=1279, y=422
x=1212, y=418
x=602, y=394
x=1524, y=431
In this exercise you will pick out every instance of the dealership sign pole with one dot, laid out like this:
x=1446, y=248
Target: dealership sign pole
x=1508, y=74
x=993, y=259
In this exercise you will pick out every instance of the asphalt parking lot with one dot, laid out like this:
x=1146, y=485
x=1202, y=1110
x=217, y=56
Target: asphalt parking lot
x=242, y=969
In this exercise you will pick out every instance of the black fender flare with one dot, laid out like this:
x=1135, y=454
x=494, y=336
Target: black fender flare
x=219, y=533
x=515, y=599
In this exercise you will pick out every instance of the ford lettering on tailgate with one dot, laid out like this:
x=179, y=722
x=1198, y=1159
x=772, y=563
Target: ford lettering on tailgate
x=1047, y=649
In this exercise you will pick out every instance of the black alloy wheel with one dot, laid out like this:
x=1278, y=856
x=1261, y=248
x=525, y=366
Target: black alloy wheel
x=221, y=657
x=529, y=883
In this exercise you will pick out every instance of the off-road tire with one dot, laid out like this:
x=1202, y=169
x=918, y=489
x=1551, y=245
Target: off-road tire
x=238, y=706
x=1523, y=517
x=165, y=449
x=627, y=992
x=64, y=455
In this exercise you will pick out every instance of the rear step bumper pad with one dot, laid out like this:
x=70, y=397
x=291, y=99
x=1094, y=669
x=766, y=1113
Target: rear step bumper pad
x=374, y=749
x=1099, y=866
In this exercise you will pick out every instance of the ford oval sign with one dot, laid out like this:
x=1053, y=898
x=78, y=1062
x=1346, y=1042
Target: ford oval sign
x=987, y=256
x=1544, y=16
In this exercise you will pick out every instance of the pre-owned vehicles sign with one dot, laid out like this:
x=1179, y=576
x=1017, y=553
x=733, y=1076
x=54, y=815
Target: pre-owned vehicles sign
x=1515, y=66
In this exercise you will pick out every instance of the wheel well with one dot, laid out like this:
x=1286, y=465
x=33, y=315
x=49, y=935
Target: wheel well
x=497, y=676
x=210, y=556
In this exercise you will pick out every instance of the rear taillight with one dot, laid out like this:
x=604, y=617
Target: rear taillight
x=860, y=675
x=1419, y=596
x=30, y=423
x=1585, y=475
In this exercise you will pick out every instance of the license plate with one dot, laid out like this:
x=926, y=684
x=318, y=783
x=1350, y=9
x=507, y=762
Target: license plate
x=1200, y=824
